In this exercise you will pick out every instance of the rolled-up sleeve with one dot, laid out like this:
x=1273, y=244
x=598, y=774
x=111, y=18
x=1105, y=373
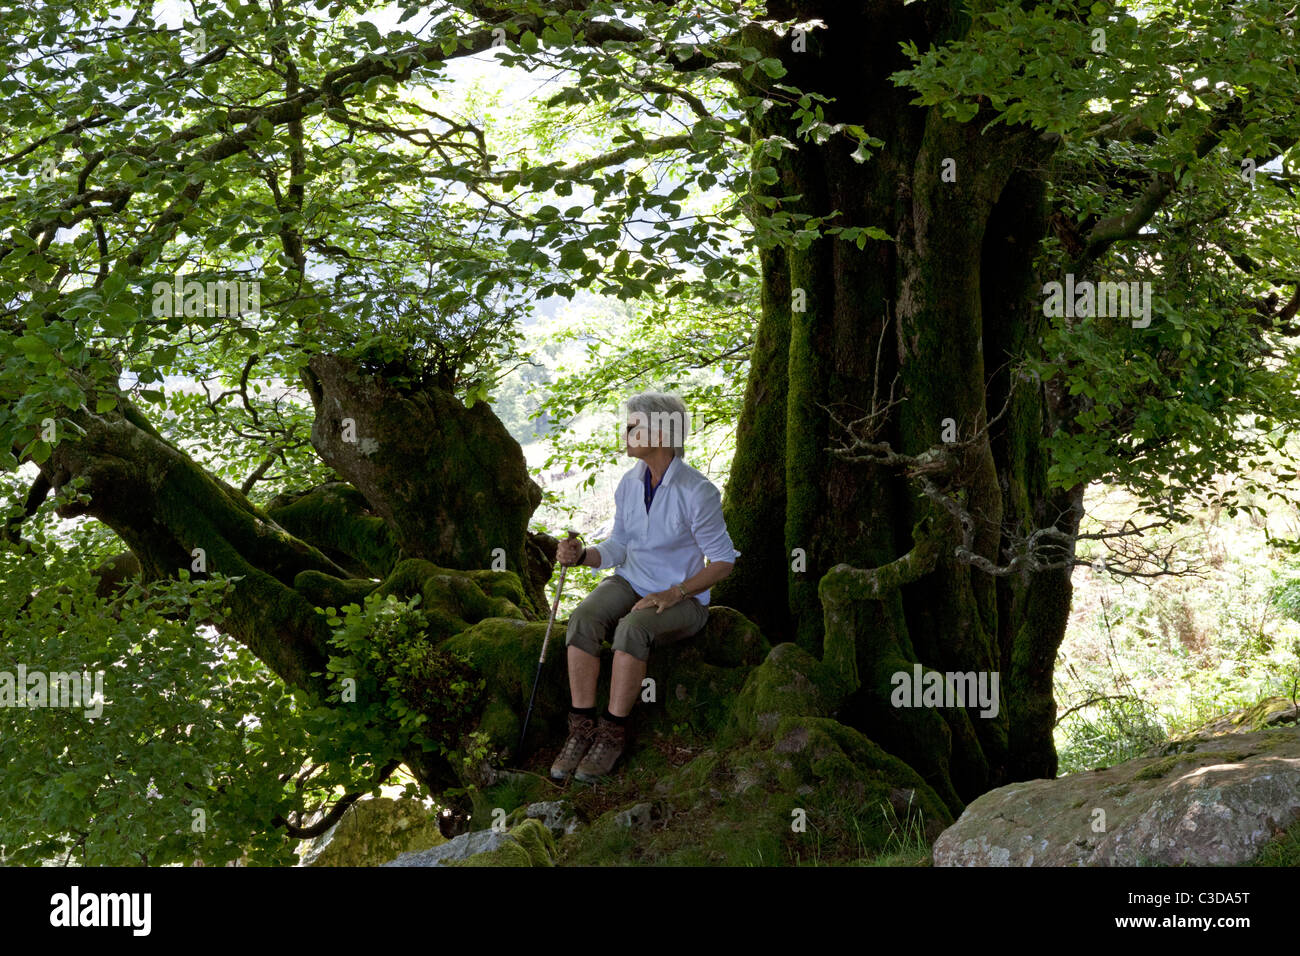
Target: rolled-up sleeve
x=613, y=550
x=708, y=527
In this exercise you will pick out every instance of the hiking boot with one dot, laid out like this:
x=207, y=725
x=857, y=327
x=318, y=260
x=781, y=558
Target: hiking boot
x=606, y=747
x=582, y=731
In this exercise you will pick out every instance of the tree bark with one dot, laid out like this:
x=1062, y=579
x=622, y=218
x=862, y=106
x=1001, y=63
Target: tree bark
x=450, y=482
x=932, y=319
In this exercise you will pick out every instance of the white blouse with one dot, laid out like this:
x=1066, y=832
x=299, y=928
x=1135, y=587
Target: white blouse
x=660, y=549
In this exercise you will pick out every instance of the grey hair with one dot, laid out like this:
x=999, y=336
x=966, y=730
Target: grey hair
x=666, y=412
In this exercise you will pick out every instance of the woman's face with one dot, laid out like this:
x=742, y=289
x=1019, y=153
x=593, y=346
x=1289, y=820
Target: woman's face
x=638, y=438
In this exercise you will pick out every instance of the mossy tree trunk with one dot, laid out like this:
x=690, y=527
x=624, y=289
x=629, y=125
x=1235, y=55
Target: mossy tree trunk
x=899, y=337
x=450, y=481
x=174, y=516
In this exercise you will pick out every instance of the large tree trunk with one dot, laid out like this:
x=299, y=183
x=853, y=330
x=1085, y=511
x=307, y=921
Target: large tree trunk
x=931, y=319
x=450, y=482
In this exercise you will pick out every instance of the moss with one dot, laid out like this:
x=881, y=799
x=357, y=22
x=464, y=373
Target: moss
x=1158, y=769
x=505, y=651
x=407, y=577
x=690, y=690
x=694, y=777
x=335, y=518
x=499, y=584
x=1167, y=764
x=690, y=693
x=1226, y=756
x=451, y=600
x=922, y=733
x=459, y=508
x=325, y=590
x=1270, y=711
x=508, y=854
x=1179, y=746
x=729, y=639
x=790, y=682
x=500, y=722
x=274, y=621
x=736, y=806
x=537, y=841
x=528, y=844
x=845, y=767
x=755, y=501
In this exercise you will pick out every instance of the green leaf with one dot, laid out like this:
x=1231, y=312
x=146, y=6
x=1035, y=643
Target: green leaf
x=36, y=349
x=114, y=284
x=39, y=451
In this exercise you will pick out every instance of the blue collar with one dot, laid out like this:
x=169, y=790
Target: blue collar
x=651, y=489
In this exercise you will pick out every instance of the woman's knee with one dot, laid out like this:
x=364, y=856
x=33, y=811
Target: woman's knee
x=583, y=633
x=632, y=638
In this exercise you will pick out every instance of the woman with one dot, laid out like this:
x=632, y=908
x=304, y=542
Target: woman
x=667, y=522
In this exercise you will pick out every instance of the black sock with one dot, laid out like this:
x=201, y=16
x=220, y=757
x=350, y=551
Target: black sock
x=617, y=720
x=583, y=711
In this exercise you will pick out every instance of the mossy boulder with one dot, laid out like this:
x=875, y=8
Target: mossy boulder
x=783, y=783
x=373, y=831
x=1215, y=801
x=505, y=652
x=790, y=682
x=1269, y=712
x=695, y=680
x=728, y=639
x=818, y=792
x=528, y=844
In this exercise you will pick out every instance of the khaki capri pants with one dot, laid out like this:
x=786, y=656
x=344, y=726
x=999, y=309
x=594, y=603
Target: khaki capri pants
x=635, y=632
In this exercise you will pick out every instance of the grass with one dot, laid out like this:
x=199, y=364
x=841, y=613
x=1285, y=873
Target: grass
x=1284, y=851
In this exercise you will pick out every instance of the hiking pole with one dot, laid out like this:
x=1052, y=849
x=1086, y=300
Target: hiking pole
x=555, y=607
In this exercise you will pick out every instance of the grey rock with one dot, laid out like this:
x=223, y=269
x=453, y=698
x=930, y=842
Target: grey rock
x=556, y=815
x=1216, y=802
x=637, y=816
x=462, y=847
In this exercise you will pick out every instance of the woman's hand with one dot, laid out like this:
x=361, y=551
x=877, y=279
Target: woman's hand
x=569, y=551
x=660, y=600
